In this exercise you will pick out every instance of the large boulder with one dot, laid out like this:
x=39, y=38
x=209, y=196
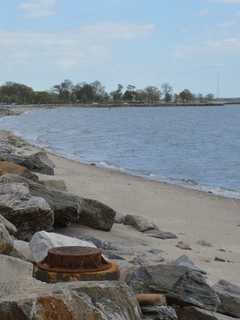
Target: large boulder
x=42, y=241
x=12, y=168
x=14, y=149
x=180, y=284
x=29, y=214
x=229, y=295
x=192, y=313
x=72, y=301
x=6, y=242
x=67, y=207
x=14, y=270
x=96, y=215
x=139, y=223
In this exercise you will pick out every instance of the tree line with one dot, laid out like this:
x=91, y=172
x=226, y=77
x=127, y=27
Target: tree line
x=95, y=93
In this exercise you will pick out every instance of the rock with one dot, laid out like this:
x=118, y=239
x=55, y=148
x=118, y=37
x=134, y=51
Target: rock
x=192, y=313
x=69, y=208
x=72, y=301
x=183, y=245
x=96, y=215
x=163, y=235
x=229, y=295
x=65, y=206
x=119, y=218
x=29, y=214
x=42, y=241
x=204, y=243
x=218, y=259
x=145, y=299
x=139, y=223
x=185, y=261
x=55, y=184
x=178, y=283
x=14, y=149
x=6, y=242
x=8, y=225
x=159, y=313
x=12, y=168
x=39, y=162
x=13, y=269
x=21, y=250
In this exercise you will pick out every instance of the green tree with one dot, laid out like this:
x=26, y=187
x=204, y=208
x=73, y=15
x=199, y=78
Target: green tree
x=167, y=91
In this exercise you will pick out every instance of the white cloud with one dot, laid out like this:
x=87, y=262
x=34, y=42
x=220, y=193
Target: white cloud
x=89, y=45
x=212, y=47
x=36, y=9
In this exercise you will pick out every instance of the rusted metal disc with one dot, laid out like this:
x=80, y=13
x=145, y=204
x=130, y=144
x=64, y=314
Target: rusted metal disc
x=74, y=259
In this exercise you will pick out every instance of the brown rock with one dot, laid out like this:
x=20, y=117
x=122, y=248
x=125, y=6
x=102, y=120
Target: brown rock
x=10, y=167
x=145, y=299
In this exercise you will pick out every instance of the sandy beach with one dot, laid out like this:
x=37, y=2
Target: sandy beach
x=192, y=215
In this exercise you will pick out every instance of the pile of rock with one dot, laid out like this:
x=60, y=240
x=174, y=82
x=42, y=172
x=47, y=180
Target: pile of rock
x=30, y=210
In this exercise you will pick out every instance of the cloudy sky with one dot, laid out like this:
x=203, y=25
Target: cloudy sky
x=185, y=42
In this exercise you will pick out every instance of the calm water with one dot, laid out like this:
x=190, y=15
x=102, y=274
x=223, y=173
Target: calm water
x=199, y=147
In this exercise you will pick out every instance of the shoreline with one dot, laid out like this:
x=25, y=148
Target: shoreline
x=194, y=216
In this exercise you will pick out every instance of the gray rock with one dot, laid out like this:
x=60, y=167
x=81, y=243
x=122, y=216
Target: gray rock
x=159, y=312
x=183, y=245
x=6, y=242
x=72, y=301
x=178, y=283
x=55, y=184
x=185, y=261
x=192, y=313
x=163, y=235
x=119, y=218
x=42, y=241
x=67, y=207
x=16, y=150
x=204, y=243
x=21, y=250
x=29, y=214
x=139, y=223
x=229, y=295
x=13, y=269
x=96, y=215
x=8, y=225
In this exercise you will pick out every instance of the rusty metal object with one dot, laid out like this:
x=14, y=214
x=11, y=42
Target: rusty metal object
x=76, y=264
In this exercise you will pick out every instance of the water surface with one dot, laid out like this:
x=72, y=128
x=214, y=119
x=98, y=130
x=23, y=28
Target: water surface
x=196, y=146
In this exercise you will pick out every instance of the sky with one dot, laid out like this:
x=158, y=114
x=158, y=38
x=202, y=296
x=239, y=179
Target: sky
x=188, y=43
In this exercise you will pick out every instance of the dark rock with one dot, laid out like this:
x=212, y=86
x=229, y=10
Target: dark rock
x=6, y=242
x=184, y=246
x=29, y=214
x=204, y=243
x=8, y=225
x=192, y=313
x=96, y=215
x=218, y=259
x=229, y=295
x=69, y=208
x=159, y=313
x=179, y=284
x=163, y=235
x=139, y=223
